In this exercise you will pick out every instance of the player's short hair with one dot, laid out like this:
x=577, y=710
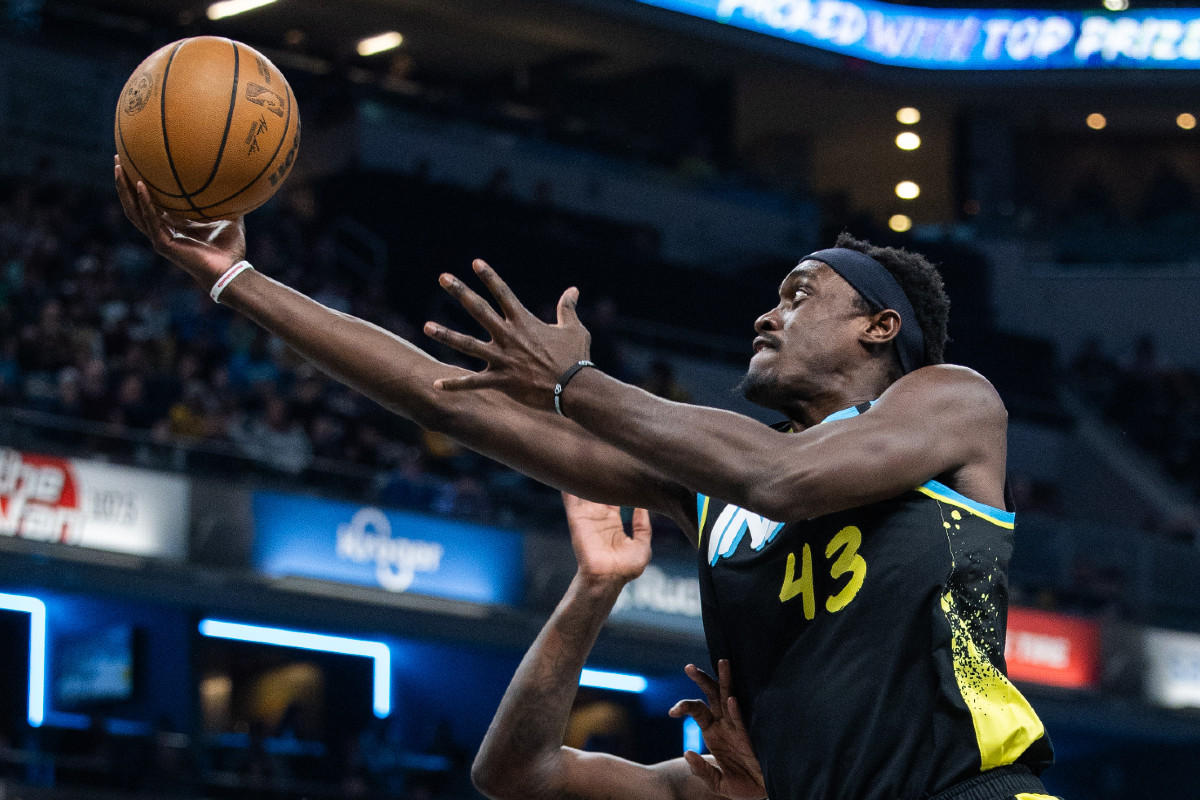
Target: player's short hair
x=921, y=281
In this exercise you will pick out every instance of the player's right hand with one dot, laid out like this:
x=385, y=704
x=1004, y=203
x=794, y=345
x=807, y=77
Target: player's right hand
x=606, y=555
x=733, y=769
x=204, y=250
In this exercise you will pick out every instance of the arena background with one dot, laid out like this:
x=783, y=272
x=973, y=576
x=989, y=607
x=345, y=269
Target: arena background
x=184, y=503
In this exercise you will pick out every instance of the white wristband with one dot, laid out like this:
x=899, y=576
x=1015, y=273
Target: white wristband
x=227, y=278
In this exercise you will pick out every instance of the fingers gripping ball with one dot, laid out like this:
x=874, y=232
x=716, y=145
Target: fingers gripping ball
x=211, y=127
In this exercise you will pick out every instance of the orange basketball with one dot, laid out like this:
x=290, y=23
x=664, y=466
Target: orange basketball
x=211, y=127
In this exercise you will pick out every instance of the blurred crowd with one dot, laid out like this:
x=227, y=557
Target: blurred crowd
x=100, y=335
x=258, y=762
x=1155, y=404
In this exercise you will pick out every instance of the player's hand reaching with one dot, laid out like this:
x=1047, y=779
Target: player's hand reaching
x=606, y=555
x=526, y=356
x=204, y=250
x=733, y=770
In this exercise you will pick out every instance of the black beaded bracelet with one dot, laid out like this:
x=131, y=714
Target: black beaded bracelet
x=564, y=380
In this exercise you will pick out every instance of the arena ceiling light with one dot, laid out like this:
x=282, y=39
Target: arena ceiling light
x=908, y=116
x=228, y=8
x=908, y=140
x=220, y=629
x=617, y=681
x=1186, y=121
x=907, y=190
x=900, y=223
x=1096, y=122
x=36, y=610
x=378, y=44
x=1116, y=5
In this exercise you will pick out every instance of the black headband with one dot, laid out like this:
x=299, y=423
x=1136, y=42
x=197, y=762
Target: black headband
x=881, y=291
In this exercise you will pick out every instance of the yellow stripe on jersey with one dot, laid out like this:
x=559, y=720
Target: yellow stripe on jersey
x=944, y=498
x=1005, y=723
x=703, y=516
x=1028, y=796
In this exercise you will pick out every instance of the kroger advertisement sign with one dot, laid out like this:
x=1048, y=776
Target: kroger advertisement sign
x=392, y=550
x=910, y=36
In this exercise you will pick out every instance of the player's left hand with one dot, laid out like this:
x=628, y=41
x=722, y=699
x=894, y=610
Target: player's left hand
x=733, y=769
x=526, y=356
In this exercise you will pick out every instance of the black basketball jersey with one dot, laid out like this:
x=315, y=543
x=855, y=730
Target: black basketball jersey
x=867, y=646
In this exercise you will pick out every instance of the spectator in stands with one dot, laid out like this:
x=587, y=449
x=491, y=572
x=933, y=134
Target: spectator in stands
x=1092, y=371
x=251, y=364
x=660, y=380
x=273, y=438
x=1158, y=407
x=606, y=349
x=186, y=419
x=130, y=409
x=1167, y=196
x=465, y=497
x=1091, y=201
x=10, y=370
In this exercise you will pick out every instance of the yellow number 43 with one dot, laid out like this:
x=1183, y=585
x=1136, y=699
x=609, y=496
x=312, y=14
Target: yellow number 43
x=847, y=540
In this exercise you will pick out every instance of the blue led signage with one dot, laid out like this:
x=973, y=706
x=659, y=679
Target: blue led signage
x=392, y=550
x=965, y=39
x=36, y=610
x=306, y=640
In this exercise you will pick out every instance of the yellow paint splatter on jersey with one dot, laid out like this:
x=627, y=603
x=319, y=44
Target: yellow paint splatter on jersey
x=1005, y=723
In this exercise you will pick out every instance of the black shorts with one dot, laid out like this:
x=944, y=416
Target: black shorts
x=1013, y=782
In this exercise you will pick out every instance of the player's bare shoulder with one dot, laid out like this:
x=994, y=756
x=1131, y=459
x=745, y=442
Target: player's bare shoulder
x=952, y=395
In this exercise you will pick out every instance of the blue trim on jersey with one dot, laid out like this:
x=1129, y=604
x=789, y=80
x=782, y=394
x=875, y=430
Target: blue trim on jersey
x=984, y=510
x=845, y=413
x=731, y=548
x=770, y=536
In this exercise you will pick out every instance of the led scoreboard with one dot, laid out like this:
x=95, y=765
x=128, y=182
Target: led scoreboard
x=967, y=39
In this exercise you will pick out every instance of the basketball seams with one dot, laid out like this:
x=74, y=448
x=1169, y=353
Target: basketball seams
x=186, y=159
x=127, y=158
x=167, y=142
x=271, y=163
x=233, y=94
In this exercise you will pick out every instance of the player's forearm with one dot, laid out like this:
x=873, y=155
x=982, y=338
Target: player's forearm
x=710, y=451
x=399, y=376
x=521, y=755
x=390, y=370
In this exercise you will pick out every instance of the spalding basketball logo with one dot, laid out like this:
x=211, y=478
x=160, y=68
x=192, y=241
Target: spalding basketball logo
x=264, y=97
x=137, y=93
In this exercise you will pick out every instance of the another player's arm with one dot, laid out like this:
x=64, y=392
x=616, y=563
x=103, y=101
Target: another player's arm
x=400, y=376
x=523, y=758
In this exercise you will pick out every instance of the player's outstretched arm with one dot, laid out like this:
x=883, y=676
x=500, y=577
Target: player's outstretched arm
x=522, y=756
x=932, y=422
x=400, y=376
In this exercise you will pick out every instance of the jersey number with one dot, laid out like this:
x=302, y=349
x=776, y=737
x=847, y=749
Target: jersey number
x=847, y=540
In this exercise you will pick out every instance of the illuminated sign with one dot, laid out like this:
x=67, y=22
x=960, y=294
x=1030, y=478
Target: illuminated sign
x=1173, y=668
x=36, y=610
x=392, y=550
x=1052, y=649
x=95, y=505
x=614, y=681
x=909, y=36
x=305, y=640
x=666, y=595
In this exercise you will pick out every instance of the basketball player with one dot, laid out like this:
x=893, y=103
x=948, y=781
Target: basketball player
x=523, y=758
x=864, y=612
